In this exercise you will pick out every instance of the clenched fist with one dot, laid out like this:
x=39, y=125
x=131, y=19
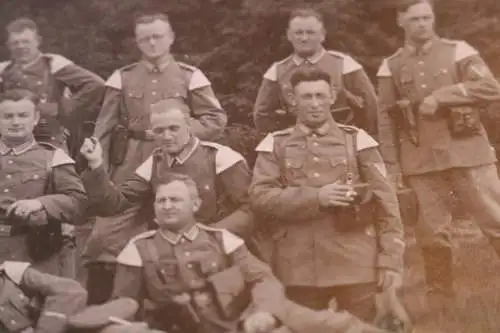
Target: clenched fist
x=336, y=194
x=259, y=322
x=92, y=150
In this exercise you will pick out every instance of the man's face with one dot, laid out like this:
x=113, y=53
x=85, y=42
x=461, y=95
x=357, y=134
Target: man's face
x=23, y=46
x=17, y=119
x=418, y=22
x=154, y=39
x=313, y=101
x=172, y=128
x=174, y=206
x=306, y=35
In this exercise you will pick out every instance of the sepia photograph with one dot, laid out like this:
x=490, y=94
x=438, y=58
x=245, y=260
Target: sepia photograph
x=249, y=166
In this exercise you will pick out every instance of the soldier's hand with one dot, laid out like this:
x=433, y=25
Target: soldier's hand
x=24, y=208
x=259, y=322
x=336, y=194
x=428, y=106
x=92, y=150
x=388, y=278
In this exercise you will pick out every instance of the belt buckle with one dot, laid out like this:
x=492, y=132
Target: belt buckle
x=5, y=230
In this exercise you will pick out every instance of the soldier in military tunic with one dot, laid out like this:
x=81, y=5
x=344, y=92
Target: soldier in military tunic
x=40, y=192
x=193, y=278
x=36, y=302
x=221, y=173
x=123, y=126
x=305, y=177
x=51, y=77
x=274, y=108
x=444, y=83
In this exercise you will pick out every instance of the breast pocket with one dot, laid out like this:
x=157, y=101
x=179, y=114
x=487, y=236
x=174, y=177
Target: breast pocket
x=33, y=184
x=134, y=102
x=294, y=169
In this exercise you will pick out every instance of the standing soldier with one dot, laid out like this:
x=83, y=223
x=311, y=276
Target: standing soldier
x=431, y=91
x=124, y=129
x=275, y=109
x=39, y=189
x=49, y=76
x=338, y=231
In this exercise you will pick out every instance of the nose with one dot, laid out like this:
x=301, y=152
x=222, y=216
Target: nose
x=315, y=101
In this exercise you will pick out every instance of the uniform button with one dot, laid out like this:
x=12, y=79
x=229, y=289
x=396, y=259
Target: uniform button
x=153, y=93
x=6, y=190
x=1, y=308
x=314, y=135
x=9, y=176
x=52, y=138
x=12, y=321
x=316, y=175
x=422, y=73
x=36, y=176
x=315, y=158
x=424, y=86
x=189, y=266
x=38, y=83
x=154, y=81
x=315, y=144
x=207, y=187
x=214, y=264
x=187, y=254
x=420, y=62
x=10, y=162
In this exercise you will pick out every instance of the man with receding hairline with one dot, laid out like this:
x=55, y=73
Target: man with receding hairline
x=441, y=82
x=275, y=108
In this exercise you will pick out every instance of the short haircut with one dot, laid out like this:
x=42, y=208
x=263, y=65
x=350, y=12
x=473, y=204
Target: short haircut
x=147, y=18
x=306, y=12
x=309, y=75
x=166, y=105
x=404, y=5
x=21, y=24
x=19, y=94
x=170, y=177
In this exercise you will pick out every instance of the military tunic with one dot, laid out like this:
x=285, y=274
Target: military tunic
x=309, y=251
x=160, y=265
x=221, y=175
x=346, y=74
x=453, y=73
x=70, y=95
x=26, y=292
x=131, y=90
x=36, y=171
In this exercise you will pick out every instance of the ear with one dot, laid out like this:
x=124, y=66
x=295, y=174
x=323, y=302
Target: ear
x=39, y=40
x=400, y=19
x=37, y=116
x=289, y=35
x=196, y=204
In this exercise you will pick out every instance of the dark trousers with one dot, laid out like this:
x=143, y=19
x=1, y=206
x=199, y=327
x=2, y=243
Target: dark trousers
x=357, y=299
x=100, y=281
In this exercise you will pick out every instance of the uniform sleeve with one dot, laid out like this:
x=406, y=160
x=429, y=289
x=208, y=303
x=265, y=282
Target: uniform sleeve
x=107, y=119
x=270, y=196
x=209, y=119
x=477, y=83
x=107, y=199
x=236, y=181
x=358, y=83
x=388, y=222
x=128, y=282
x=265, y=118
x=387, y=131
x=68, y=200
x=62, y=298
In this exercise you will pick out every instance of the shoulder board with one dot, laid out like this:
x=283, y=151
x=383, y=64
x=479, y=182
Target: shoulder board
x=58, y=62
x=15, y=270
x=61, y=158
x=225, y=157
x=463, y=49
x=197, y=80
x=395, y=54
x=4, y=65
x=363, y=139
x=186, y=66
x=384, y=70
x=130, y=256
x=282, y=61
x=145, y=169
x=272, y=72
x=115, y=80
x=230, y=242
x=350, y=65
x=267, y=144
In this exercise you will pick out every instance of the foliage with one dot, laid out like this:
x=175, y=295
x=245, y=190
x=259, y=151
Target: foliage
x=235, y=41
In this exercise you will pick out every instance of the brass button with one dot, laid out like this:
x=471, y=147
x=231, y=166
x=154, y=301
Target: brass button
x=10, y=161
x=315, y=158
x=9, y=176
x=6, y=190
x=316, y=174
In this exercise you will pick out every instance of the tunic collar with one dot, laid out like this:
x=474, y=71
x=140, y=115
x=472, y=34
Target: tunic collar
x=312, y=59
x=175, y=238
x=186, y=153
x=19, y=150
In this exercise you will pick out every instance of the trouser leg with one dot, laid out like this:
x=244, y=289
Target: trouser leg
x=479, y=191
x=100, y=281
x=433, y=192
x=358, y=300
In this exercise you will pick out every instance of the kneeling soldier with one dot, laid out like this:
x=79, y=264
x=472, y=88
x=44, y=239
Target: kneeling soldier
x=32, y=301
x=39, y=189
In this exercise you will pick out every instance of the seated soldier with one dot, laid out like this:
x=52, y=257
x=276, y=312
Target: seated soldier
x=193, y=278
x=32, y=301
x=39, y=190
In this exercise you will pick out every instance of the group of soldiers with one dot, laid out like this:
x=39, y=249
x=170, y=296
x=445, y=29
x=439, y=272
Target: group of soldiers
x=310, y=240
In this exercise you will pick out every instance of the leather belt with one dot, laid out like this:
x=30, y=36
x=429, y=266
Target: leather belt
x=145, y=135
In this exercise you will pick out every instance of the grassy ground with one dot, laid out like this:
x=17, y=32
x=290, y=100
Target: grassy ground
x=478, y=287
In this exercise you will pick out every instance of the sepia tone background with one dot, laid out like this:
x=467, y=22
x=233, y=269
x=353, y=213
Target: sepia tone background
x=235, y=41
